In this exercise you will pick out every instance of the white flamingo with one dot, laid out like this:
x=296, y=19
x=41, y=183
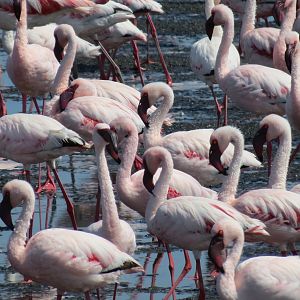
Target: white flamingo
x=165, y=218
x=189, y=149
x=263, y=277
x=68, y=260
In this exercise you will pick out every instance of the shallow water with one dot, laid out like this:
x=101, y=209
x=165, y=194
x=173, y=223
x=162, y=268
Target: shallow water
x=193, y=108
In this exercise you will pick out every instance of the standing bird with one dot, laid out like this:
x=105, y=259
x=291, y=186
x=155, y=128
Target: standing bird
x=65, y=259
x=263, y=277
x=165, y=218
x=203, y=57
x=32, y=68
x=189, y=149
x=254, y=88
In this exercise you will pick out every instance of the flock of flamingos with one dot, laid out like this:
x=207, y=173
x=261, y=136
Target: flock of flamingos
x=171, y=185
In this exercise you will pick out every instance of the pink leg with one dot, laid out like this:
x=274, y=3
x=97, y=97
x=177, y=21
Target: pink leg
x=115, y=291
x=148, y=60
x=269, y=156
x=101, y=62
x=87, y=296
x=187, y=267
x=49, y=185
x=294, y=153
x=201, y=285
x=137, y=60
x=225, y=103
x=171, y=267
x=70, y=206
x=24, y=100
x=27, y=175
x=156, y=264
x=36, y=105
x=161, y=57
x=98, y=205
x=49, y=206
x=218, y=105
x=40, y=212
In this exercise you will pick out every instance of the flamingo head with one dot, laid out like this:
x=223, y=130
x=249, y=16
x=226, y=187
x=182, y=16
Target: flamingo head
x=271, y=127
x=104, y=136
x=14, y=193
x=291, y=41
x=17, y=8
x=279, y=9
x=67, y=95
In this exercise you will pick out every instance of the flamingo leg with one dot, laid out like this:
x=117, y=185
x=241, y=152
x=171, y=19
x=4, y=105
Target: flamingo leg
x=98, y=205
x=225, y=104
x=70, y=206
x=87, y=296
x=101, y=62
x=111, y=70
x=115, y=291
x=36, y=105
x=40, y=212
x=24, y=102
x=294, y=153
x=59, y=297
x=187, y=267
x=269, y=156
x=148, y=60
x=171, y=267
x=156, y=264
x=49, y=206
x=218, y=105
x=137, y=60
x=161, y=57
x=200, y=280
x=48, y=185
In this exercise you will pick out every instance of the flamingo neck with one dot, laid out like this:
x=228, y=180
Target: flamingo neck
x=248, y=23
x=280, y=165
x=280, y=47
x=152, y=134
x=17, y=242
x=110, y=219
x=230, y=184
x=160, y=191
x=21, y=39
x=52, y=107
x=61, y=81
x=221, y=67
x=209, y=4
x=226, y=284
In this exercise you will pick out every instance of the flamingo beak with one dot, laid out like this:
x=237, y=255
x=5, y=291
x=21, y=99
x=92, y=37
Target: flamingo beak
x=143, y=107
x=216, y=251
x=259, y=140
x=112, y=147
x=215, y=157
x=66, y=96
x=148, y=178
x=278, y=11
x=290, y=49
x=58, y=50
x=209, y=26
x=17, y=9
x=5, y=209
x=138, y=163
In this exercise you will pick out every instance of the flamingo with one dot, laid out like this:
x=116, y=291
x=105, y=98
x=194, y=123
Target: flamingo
x=254, y=88
x=257, y=44
x=165, y=218
x=286, y=26
x=203, y=57
x=263, y=277
x=65, y=259
x=293, y=104
x=31, y=68
x=31, y=139
x=276, y=207
x=189, y=149
x=117, y=231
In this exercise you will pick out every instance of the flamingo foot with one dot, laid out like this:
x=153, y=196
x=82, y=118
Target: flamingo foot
x=48, y=186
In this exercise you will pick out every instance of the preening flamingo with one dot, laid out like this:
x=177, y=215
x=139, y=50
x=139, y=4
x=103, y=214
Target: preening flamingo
x=66, y=259
x=31, y=139
x=189, y=149
x=286, y=26
x=31, y=68
x=257, y=44
x=130, y=188
x=203, y=57
x=117, y=231
x=263, y=277
x=276, y=207
x=165, y=217
x=254, y=88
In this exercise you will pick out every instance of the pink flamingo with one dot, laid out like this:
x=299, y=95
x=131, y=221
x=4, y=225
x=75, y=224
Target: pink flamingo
x=31, y=68
x=65, y=259
x=117, y=231
x=254, y=88
x=257, y=44
x=165, y=217
x=263, y=277
x=203, y=57
x=276, y=207
x=31, y=139
x=286, y=26
x=189, y=149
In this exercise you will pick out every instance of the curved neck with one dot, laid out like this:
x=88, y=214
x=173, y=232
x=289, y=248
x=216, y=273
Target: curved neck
x=17, y=242
x=226, y=284
x=21, y=39
x=159, y=194
x=61, y=81
x=110, y=218
x=289, y=18
x=248, y=23
x=221, y=67
x=230, y=184
x=152, y=136
x=280, y=164
x=209, y=4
